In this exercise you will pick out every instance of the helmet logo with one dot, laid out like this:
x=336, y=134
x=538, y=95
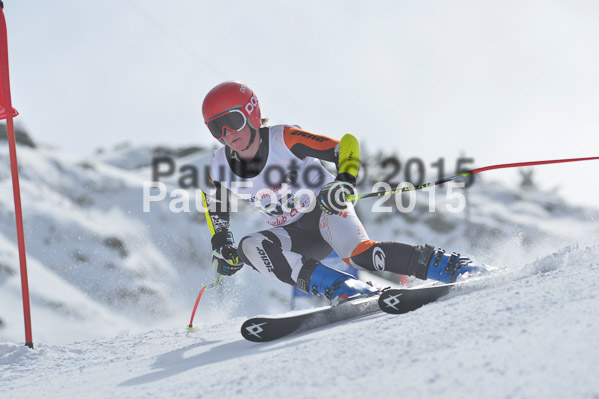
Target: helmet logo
x=242, y=89
x=249, y=107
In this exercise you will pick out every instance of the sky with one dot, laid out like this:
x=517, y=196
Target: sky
x=499, y=82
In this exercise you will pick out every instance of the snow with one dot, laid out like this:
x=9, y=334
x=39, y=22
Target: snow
x=112, y=289
x=530, y=333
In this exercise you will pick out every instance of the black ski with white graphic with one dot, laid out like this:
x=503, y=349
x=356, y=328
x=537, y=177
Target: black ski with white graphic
x=403, y=300
x=394, y=301
x=263, y=329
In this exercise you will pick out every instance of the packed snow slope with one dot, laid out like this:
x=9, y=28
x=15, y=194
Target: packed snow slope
x=112, y=288
x=529, y=332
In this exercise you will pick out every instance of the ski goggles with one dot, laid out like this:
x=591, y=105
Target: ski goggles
x=234, y=120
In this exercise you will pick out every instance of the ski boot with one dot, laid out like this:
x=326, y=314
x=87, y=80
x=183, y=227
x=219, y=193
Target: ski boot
x=318, y=279
x=449, y=268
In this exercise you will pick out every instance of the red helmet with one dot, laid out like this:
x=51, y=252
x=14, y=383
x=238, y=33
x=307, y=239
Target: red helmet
x=232, y=95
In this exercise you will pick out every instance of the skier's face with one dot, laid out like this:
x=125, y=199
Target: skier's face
x=238, y=141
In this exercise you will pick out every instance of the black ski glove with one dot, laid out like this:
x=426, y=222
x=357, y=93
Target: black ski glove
x=224, y=254
x=331, y=198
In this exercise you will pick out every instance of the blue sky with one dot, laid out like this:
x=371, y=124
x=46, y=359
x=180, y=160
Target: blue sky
x=498, y=81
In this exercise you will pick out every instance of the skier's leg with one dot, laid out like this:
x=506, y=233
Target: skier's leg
x=346, y=234
x=421, y=261
x=270, y=253
x=292, y=254
x=282, y=251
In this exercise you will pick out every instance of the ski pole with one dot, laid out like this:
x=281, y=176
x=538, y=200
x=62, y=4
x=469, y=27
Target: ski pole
x=220, y=276
x=464, y=174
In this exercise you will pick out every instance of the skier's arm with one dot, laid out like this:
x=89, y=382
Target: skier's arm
x=224, y=252
x=345, y=153
x=220, y=211
x=348, y=159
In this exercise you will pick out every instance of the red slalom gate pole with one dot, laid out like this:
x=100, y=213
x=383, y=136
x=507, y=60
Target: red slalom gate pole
x=8, y=112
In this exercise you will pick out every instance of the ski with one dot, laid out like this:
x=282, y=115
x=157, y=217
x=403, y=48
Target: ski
x=264, y=329
x=394, y=301
x=403, y=300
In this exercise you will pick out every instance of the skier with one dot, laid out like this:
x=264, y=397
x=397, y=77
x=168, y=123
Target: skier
x=277, y=170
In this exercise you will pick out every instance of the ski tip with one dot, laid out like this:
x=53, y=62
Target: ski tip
x=403, y=300
x=390, y=300
x=254, y=330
